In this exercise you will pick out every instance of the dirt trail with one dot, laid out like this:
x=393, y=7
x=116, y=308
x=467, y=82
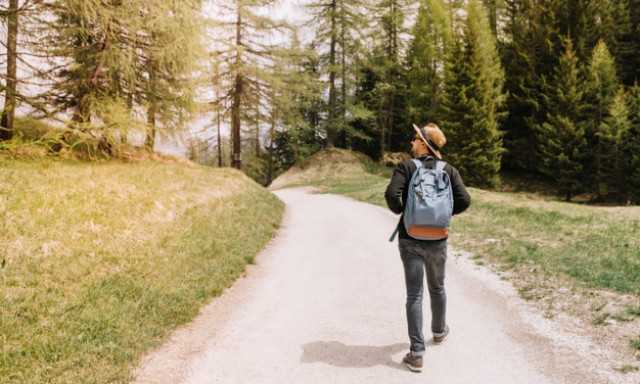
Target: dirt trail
x=325, y=304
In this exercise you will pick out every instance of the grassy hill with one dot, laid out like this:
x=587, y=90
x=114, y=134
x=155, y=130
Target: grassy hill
x=339, y=171
x=567, y=257
x=100, y=261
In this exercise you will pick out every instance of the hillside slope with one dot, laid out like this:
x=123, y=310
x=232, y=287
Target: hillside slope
x=328, y=164
x=100, y=261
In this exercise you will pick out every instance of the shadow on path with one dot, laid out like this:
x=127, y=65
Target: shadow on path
x=351, y=356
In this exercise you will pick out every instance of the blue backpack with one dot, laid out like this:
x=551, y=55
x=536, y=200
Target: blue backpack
x=429, y=203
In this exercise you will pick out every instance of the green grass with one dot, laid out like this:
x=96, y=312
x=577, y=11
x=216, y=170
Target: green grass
x=628, y=368
x=31, y=129
x=596, y=246
x=99, y=262
x=633, y=310
x=635, y=343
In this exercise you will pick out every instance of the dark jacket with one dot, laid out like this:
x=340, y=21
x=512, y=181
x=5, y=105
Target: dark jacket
x=396, y=193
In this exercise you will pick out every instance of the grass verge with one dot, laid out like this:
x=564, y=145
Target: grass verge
x=524, y=233
x=99, y=262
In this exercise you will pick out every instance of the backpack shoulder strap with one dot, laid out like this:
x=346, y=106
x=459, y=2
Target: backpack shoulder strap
x=440, y=165
x=417, y=162
x=439, y=168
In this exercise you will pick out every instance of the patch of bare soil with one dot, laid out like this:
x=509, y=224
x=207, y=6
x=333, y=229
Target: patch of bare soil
x=596, y=315
x=391, y=159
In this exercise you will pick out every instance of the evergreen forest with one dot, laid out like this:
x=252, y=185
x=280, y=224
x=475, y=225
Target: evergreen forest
x=538, y=87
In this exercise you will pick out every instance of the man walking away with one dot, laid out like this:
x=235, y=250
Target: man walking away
x=419, y=256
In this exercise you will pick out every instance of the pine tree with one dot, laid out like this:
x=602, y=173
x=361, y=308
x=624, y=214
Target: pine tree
x=245, y=49
x=602, y=85
x=169, y=59
x=292, y=85
x=473, y=94
x=632, y=139
x=572, y=21
x=119, y=57
x=528, y=57
x=339, y=24
x=609, y=21
x=455, y=103
x=629, y=55
x=305, y=135
x=372, y=94
x=95, y=36
x=426, y=60
x=619, y=126
x=562, y=142
x=379, y=94
x=493, y=11
x=392, y=80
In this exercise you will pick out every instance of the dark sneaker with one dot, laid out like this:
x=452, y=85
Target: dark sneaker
x=414, y=363
x=440, y=339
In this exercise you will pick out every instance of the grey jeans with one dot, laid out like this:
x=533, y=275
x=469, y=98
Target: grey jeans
x=417, y=257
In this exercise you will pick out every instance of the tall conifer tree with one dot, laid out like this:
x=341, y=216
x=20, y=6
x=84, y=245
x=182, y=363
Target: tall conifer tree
x=95, y=37
x=169, y=58
x=618, y=124
x=609, y=21
x=246, y=49
x=528, y=56
x=473, y=95
x=391, y=71
x=602, y=85
x=338, y=25
x=493, y=11
x=426, y=60
x=290, y=87
x=630, y=60
x=381, y=86
x=633, y=144
x=114, y=58
x=562, y=141
x=572, y=20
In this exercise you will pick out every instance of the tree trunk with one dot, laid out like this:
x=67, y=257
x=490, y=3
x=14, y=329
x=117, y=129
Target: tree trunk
x=235, y=108
x=493, y=16
x=8, y=113
x=392, y=51
x=257, y=143
x=235, y=122
x=82, y=113
x=343, y=64
x=150, y=141
x=219, y=139
x=331, y=127
x=272, y=133
x=218, y=115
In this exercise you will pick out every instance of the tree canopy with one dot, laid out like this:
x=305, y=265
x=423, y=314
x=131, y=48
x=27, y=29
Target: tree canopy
x=543, y=87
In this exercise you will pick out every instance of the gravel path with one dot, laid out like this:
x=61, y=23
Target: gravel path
x=325, y=304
